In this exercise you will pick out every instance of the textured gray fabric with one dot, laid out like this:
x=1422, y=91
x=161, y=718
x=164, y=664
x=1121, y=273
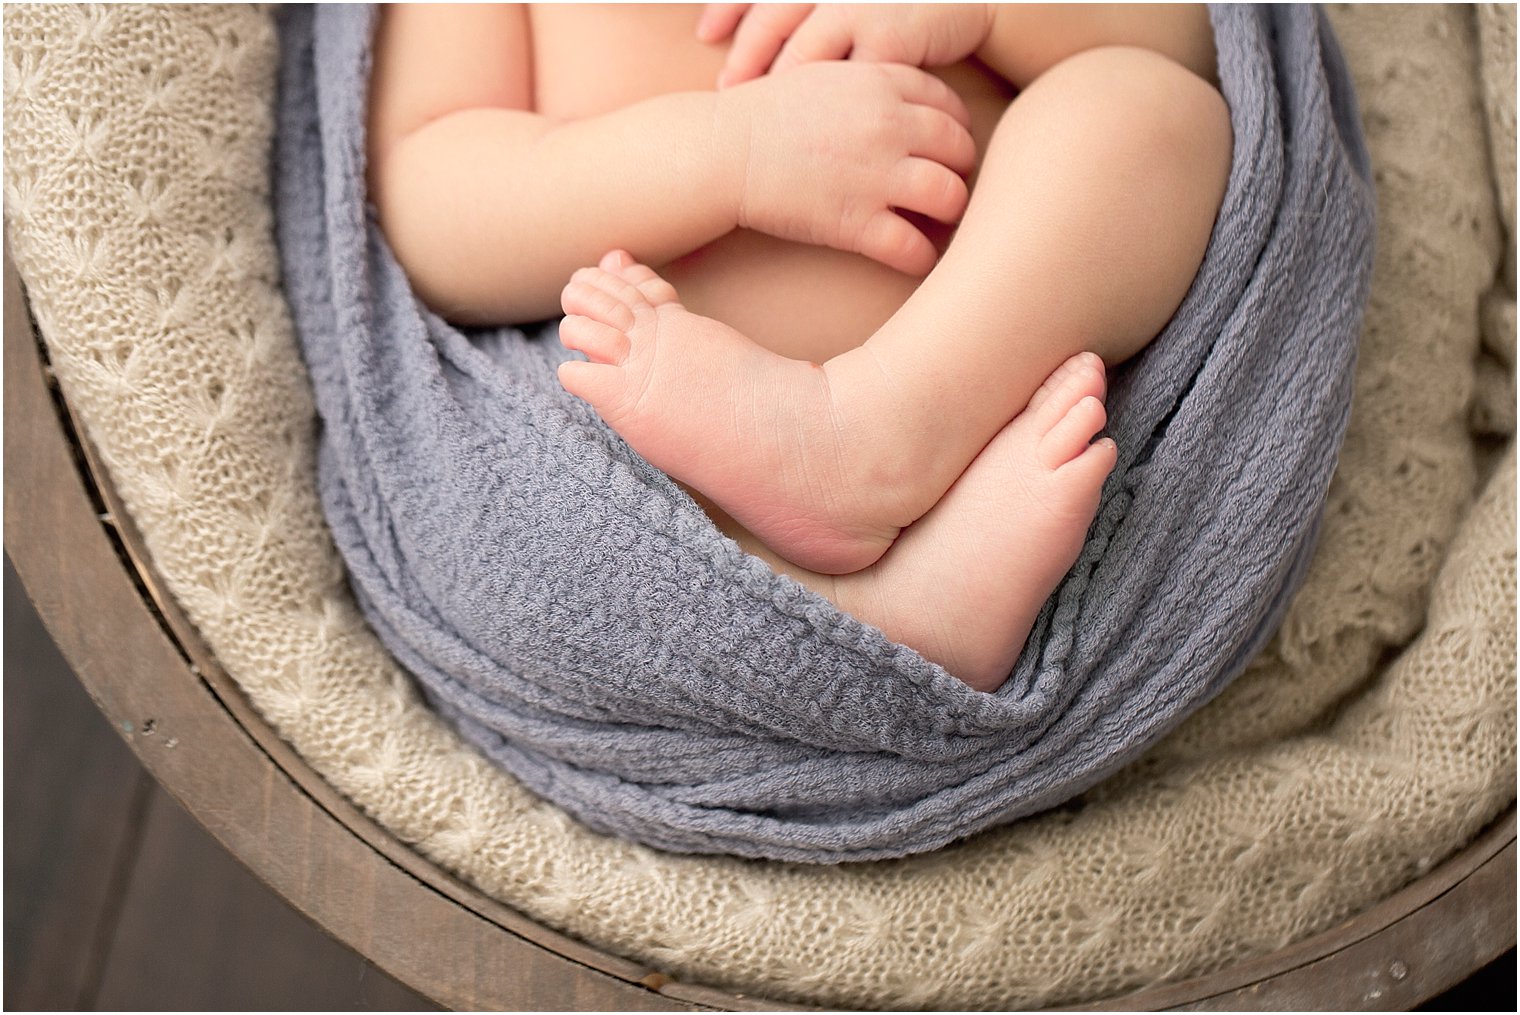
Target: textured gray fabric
x=581, y=621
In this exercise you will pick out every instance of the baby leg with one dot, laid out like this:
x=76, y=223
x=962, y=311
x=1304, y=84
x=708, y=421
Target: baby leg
x=964, y=583
x=1088, y=222
x=1086, y=225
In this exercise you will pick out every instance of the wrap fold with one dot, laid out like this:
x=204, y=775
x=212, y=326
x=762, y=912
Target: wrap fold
x=583, y=623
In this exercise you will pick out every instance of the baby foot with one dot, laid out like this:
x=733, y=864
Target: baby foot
x=759, y=434
x=964, y=583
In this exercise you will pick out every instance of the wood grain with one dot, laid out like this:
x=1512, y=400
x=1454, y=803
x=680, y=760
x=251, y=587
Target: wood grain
x=74, y=798
x=199, y=933
x=263, y=954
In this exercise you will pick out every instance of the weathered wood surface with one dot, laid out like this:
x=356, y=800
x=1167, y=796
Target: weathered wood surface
x=190, y=918
x=118, y=900
x=66, y=786
x=443, y=938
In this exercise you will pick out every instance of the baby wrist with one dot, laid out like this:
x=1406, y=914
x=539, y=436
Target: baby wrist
x=733, y=135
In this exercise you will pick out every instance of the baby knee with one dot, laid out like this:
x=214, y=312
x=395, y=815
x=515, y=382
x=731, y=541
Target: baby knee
x=1149, y=106
x=1139, y=102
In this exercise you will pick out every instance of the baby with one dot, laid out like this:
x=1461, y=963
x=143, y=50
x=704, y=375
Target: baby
x=919, y=452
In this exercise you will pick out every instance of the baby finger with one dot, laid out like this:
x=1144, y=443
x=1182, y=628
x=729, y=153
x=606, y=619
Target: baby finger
x=823, y=35
x=925, y=186
x=758, y=39
x=924, y=89
x=933, y=134
x=892, y=240
x=718, y=21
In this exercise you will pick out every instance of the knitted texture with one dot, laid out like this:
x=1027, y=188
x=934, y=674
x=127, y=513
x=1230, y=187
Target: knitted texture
x=590, y=630
x=1493, y=410
x=1373, y=737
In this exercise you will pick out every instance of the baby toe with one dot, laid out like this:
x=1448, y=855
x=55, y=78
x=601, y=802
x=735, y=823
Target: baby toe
x=601, y=343
x=648, y=282
x=1081, y=376
x=1073, y=433
x=601, y=385
x=590, y=294
x=1083, y=476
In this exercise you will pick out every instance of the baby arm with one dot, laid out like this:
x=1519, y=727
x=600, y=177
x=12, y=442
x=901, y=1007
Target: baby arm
x=490, y=207
x=1018, y=41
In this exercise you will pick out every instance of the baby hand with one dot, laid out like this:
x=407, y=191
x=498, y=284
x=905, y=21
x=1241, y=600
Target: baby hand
x=781, y=36
x=827, y=152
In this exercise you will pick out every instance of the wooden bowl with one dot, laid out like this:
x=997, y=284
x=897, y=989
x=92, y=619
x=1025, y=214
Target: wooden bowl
x=86, y=569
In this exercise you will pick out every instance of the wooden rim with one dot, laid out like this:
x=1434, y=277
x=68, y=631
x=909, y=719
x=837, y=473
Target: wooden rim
x=86, y=568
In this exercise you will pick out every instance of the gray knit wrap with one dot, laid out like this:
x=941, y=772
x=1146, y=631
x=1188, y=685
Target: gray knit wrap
x=579, y=618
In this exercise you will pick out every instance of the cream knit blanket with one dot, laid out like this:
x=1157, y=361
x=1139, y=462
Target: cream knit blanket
x=1372, y=738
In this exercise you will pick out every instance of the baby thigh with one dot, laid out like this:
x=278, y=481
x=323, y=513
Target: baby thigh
x=1094, y=203
x=1158, y=152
